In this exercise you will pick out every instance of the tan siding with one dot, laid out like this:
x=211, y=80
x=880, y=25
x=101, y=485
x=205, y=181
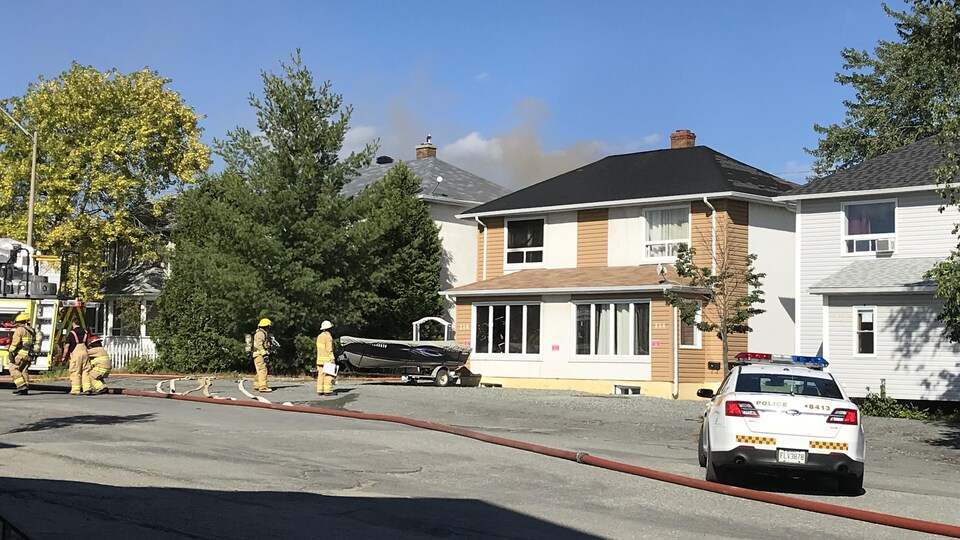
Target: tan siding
x=701, y=232
x=463, y=320
x=661, y=321
x=592, y=234
x=494, y=248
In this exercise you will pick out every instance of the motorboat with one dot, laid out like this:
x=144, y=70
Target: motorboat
x=440, y=360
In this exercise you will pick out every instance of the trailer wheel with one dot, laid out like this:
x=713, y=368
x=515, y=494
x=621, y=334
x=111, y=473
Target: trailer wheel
x=442, y=377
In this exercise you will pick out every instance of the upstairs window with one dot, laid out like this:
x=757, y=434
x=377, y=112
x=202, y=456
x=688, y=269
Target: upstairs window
x=666, y=229
x=525, y=241
x=866, y=223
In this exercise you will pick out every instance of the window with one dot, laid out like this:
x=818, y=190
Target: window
x=525, y=241
x=507, y=329
x=690, y=334
x=865, y=223
x=667, y=228
x=864, y=329
x=762, y=383
x=613, y=329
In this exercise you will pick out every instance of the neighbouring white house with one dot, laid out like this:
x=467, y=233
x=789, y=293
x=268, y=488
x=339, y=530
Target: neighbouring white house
x=448, y=190
x=865, y=238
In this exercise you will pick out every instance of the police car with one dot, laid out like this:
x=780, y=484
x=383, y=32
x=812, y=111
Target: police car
x=781, y=413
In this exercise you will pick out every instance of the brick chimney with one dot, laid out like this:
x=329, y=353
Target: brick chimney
x=426, y=149
x=681, y=138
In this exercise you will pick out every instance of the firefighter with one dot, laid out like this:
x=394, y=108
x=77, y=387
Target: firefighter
x=324, y=356
x=99, y=365
x=75, y=350
x=19, y=353
x=262, y=343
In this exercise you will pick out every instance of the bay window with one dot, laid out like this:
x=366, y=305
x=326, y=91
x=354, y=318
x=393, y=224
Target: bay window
x=620, y=328
x=507, y=328
x=666, y=229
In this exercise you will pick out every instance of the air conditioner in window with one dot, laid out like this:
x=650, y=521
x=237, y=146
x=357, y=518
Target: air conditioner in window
x=886, y=245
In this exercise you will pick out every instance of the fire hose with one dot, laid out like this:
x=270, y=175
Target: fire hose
x=868, y=516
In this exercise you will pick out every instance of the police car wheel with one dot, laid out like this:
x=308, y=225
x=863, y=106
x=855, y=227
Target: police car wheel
x=715, y=473
x=701, y=455
x=850, y=485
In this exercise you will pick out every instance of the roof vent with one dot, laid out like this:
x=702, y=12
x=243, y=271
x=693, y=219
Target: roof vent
x=383, y=160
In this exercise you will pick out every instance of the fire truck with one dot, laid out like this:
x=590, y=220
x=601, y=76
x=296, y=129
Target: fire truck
x=40, y=286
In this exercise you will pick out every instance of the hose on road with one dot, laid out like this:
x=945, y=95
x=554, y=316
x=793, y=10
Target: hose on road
x=868, y=516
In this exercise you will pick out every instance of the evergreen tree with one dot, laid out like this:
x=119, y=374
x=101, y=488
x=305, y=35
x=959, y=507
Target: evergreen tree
x=401, y=251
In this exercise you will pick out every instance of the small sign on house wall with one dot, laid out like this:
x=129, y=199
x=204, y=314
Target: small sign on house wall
x=655, y=343
x=554, y=348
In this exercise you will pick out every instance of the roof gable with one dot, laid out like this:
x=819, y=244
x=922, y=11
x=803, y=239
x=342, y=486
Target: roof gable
x=644, y=175
x=458, y=185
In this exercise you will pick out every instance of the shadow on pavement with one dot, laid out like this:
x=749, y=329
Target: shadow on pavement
x=77, y=510
x=949, y=436
x=5, y=445
x=799, y=484
x=84, y=419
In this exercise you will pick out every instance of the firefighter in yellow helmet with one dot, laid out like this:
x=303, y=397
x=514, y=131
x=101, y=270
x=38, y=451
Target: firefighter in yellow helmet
x=21, y=346
x=324, y=357
x=262, y=343
x=99, y=365
x=75, y=349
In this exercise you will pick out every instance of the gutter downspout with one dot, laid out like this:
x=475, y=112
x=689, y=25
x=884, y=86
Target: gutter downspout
x=713, y=235
x=676, y=354
x=484, y=275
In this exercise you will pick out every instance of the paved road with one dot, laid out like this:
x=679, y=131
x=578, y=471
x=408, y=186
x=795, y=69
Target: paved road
x=133, y=467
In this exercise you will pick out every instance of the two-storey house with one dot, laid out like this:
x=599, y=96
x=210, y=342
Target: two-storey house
x=865, y=238
x=447, y=190
x=571, y=272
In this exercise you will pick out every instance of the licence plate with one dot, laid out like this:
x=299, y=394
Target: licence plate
x=792, y=456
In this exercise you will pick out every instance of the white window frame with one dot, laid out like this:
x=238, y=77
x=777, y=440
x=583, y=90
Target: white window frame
x=844, y=237
x=646, y=224
x=592, y=356
x=697, y=334
x=507, y=250
x=856, y=332
x=505, y=355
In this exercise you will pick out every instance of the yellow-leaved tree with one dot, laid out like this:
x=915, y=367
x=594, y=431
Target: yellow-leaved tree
x=111, y=146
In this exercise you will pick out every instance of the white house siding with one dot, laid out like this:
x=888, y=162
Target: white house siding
x=625, y=238
x=911, y=354
x=559, y=240
x=921, y=232
x=557, y=358
x=459, y=239
x=771, y=238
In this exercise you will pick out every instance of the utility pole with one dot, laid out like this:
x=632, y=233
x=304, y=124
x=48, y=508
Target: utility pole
x=33, y=175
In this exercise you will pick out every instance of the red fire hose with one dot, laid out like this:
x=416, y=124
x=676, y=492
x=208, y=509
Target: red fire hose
x=582, y=457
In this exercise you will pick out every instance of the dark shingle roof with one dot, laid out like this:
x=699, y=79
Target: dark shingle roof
x=143, y=279
x=658, y=173
x=458, y=184
x=909, y=166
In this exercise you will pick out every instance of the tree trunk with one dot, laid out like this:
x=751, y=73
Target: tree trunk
x=726, y=348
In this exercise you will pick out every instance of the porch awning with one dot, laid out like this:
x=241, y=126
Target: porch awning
x=539, y=281
x=879, y=276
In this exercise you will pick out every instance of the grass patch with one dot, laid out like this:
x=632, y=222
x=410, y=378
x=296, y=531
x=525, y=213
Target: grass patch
x=51, y=374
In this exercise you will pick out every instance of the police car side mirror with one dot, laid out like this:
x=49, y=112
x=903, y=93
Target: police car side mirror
x=705, y=393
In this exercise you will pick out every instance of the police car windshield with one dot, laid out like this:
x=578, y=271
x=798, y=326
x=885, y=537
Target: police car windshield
x=767, y=383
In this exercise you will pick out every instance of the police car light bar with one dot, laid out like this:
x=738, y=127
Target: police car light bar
x=814, y=362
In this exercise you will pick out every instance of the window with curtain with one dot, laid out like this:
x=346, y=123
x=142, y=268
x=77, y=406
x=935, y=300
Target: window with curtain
x=507, y=329
x=666, y=229
x=865, y=223
x=612, y=328
x=525, y=241
x=865, y=330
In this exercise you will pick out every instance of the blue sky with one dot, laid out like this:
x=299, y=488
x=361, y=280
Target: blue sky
x=513, y=91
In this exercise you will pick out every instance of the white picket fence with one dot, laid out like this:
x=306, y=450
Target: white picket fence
x=124, y=349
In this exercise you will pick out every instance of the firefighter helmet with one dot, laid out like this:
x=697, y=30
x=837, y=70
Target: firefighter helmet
x=264, y=322
x=22, y=317
x=326, y=325
x=93, y=339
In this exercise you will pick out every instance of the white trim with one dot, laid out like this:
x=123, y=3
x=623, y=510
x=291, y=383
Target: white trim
x=592, y=356
x=489, y=354
x=449, y=201
x=826, y=328
x=736, y=195
x=571, y=290
x=798, y=240
x=697, y=334
x=646, y=225
x=861, y=193
x=899, y=289
x=844, y=236
x=507, y=250
x=856, y=342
